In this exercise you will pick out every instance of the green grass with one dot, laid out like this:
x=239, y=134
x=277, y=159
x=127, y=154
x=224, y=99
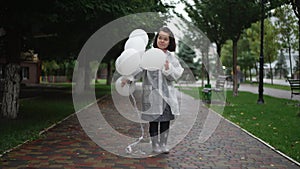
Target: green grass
x=277, y=121
x=38, y=113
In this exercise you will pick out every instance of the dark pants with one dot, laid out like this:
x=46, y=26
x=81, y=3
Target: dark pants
x=153, y=127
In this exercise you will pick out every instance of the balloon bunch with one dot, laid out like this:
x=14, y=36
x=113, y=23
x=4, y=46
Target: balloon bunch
x=134, y=57
x=128, y=63
x=129, y=60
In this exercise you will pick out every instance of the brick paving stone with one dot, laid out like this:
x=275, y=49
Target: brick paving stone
x=68, y=146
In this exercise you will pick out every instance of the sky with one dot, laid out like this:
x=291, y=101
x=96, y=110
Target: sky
x=179, y=7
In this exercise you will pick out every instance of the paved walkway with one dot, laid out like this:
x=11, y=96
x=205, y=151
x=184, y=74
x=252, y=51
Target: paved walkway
x=269, y=91
x=67, y=146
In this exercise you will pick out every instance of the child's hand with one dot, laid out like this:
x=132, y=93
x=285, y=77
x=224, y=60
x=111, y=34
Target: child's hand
x=123, y=83
x=167, y=65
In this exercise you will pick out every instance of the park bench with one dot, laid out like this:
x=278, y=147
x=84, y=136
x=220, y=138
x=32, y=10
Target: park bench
x=295, y=86
x=218, y=89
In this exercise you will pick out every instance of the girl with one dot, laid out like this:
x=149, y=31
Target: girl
x=159, y=100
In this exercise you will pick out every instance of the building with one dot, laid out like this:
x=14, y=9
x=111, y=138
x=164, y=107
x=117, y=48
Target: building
x=30, y=68
x=29, y=62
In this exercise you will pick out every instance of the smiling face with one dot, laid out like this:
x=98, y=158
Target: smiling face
x=163, y=40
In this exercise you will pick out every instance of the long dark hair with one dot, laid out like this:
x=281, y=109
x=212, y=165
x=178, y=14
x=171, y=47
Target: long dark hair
x=172, y=44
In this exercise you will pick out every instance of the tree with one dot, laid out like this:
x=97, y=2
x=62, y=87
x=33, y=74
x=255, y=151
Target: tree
x=238, y=16
x=188, y=56
x=253, y=35
x=54, y=29
x=286, y=23
x=248, y=46
x=297, y=68
x=296, y=8
x=271, y=45
x=223, y=20
x=226, y=53
x=204, y=16
x=199, y=43
x=246, y=57
x=49, y=68
x=281, y=66
x=16, y=20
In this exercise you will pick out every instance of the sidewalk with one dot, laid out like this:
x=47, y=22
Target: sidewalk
x=67, y=146
x=269, y=91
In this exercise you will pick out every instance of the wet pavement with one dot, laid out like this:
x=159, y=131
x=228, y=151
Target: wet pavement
x=226, y=146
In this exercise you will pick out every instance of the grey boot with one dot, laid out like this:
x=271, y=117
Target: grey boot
x=163, y=142
x=155, y=145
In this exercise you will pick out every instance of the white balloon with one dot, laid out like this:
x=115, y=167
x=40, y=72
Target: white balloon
x=128, y=62
x=126, y=90
x=153, y=59
x=135, y=43
x=139, y=33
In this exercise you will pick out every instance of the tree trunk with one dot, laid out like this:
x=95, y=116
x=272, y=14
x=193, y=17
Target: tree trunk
x=83, y=77
x=271, y=70
x=280, y=72
x=87, y=78
x=109, y=73
x=12, y=78
x=235, y=78
x=256, y=72
x=202, y=74
x=219, y=48
x=298, y=45
x=250, y=74
x=10, y=99
x=80, y=79
x=290, y=57
x=296, y=8
x=206, y=62
x=219, y=64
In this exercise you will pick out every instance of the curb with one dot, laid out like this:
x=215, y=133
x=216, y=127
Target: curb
x=260, y=140
x=266, y=144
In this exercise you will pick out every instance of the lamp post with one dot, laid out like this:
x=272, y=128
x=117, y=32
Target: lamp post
x=261, y=57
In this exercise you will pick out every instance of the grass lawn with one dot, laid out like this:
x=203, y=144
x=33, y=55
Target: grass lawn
x=38, y=113
x=277, y=121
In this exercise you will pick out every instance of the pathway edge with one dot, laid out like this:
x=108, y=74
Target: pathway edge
x=52, y=126
x=260, y=140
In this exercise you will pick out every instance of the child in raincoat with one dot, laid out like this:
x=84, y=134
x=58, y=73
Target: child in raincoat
x=159, y=100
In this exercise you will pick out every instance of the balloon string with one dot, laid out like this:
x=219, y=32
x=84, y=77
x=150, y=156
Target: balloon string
x=129, y=147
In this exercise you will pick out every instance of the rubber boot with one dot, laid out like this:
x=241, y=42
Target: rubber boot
x=163, y=142
x=155, y=144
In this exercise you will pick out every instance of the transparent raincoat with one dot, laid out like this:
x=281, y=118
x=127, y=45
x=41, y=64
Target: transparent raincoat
x=158, y=87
